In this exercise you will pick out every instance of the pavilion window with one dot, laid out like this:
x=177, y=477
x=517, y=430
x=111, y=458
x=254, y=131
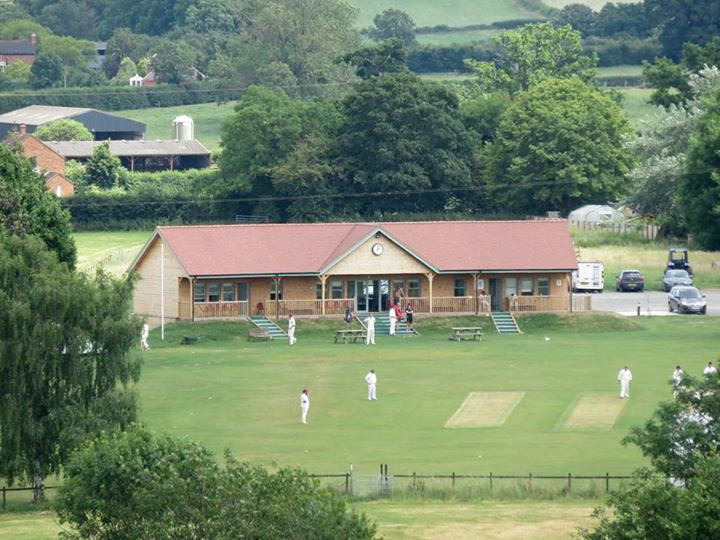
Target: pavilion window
x=242, y=292
x=336, y=289
x=526, y=286
x=413, y=290
x=459, y=289
x=228, y=291
x=278, y=292
x=199, y=294
x=543, y=286
x=511, y=286
x=318, y=291
x=213, y=292
x=350, y=289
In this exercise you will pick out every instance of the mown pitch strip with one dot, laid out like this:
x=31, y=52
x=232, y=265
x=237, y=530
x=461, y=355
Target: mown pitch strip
x=594, y=411
x=484, y=409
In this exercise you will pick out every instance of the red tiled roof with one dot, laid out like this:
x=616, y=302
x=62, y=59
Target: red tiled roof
x=309, y=248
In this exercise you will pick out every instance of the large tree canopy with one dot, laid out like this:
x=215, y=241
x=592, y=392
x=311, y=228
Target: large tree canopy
x=164, y=488
x=64, y=129
x=401, y=134
x=64, y=358
x=533, y=53
x=684, y=21
x=26, y=207
x=559, y=145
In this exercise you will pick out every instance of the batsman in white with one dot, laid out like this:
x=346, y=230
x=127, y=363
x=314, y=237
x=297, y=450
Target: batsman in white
x=144, y=334
x=371, y=380
x=625, y=376
x=291, y=329
x=304, y=405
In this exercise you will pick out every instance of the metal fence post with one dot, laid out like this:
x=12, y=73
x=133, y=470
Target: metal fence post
x=347, y=483
x=530, y=481
x=491, y=484
x=414, y=479
x=569, y=481
x=4, y=497
x=607, y=482
x=453, y=480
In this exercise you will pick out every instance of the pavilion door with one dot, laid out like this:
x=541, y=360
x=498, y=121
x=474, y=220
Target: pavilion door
x=496, y=299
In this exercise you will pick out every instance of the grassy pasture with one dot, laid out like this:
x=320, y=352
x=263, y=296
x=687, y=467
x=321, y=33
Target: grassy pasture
x=456, y=37
x=114, y=250
x=596, y=5
x=207, y=117
x=449, y=12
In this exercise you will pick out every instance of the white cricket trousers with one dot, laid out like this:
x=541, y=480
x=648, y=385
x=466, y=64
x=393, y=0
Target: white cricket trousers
x=371, y=391
x=303, y=415
x=624, y=389
x=392, y=326
x=370, y=337
x=291, y=336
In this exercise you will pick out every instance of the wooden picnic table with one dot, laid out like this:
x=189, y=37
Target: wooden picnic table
x=346, y=335
x=467, y=332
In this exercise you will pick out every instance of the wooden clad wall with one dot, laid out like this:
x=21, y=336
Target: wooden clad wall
x=146, y=297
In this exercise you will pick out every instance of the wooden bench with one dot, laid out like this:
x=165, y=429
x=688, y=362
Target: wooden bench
x=468, y=332
x=346, y=335
x=255, y=334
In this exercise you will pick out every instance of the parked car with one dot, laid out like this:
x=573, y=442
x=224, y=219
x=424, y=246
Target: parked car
x=630, y=280
x=676, y=277
x=589, y=277
x=686, y=300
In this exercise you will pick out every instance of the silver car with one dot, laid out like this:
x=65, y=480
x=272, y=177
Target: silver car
x=686, y=300
x=676, y=277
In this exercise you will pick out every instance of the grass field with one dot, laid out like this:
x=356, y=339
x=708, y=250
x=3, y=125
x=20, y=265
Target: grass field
x=620, y=71
x=456, y=37
x=449, y=12
x=635, y=104
x=207, y=118
x=114, y=250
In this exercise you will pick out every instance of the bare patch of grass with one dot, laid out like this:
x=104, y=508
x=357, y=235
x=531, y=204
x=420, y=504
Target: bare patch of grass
x=484, y=409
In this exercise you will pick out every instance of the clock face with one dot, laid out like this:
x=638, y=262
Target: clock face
x=377, y=249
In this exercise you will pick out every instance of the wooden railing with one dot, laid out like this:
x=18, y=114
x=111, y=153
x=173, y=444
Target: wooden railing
x=333, y=306
x=221, y=310
x=449, y=304
x=582, y=303
x=538, y=303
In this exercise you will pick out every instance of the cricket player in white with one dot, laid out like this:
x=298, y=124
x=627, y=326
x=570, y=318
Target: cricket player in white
x=709, y=370
x=371, y=380
x=304, y=406
x=370, y=323
x=677, y=375
x=144, y=334
x=625, y=376
x=393, y=320
x=291, y=329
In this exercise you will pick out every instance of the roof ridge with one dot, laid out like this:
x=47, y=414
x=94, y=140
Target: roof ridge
x=368, y=223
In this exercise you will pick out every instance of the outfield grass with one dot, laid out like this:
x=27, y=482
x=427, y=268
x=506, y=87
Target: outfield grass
x=228, y=393
x=620, y=71
x=635, y=104
x=449, y=12
x=207, y=117
x=457, y=37
x=29, y=526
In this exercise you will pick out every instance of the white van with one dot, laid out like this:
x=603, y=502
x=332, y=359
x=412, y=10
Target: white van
x=589, y=277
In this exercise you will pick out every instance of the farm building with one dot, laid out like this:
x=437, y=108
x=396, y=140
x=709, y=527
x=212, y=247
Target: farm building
x=141, y=155
x=47, y=162
x=231, y=271
x=102, y=125
x=18, y=50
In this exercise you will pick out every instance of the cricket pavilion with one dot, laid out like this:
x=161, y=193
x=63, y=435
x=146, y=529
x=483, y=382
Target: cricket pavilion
x=453, y=267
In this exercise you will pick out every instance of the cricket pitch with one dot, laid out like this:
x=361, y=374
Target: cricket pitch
x=595, y=411
x=484, y=409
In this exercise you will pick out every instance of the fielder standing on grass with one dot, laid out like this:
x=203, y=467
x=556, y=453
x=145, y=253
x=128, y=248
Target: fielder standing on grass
x=370, y=335
x=709, y=370
x=304, y=405
x=144, y=334
x=625, y=376
x=291, y=329
x=371, y=380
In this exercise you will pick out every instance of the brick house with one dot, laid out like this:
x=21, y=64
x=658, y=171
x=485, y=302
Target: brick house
x=232, y=271
x=18, y=50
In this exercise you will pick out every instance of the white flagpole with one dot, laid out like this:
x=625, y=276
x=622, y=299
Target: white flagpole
x=162, y=289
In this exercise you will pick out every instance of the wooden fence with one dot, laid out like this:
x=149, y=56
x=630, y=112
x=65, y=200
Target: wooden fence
x=221, y=310
x=648, y=232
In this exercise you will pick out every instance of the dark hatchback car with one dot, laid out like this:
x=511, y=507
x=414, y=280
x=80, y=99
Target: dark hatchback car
x=686, y=300
x=630, y=280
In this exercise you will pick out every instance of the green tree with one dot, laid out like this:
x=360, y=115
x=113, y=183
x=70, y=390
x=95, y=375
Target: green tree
x=393, y=24
x=126, y=70
x=699, y=188
x=559, y=145
x=64, y=130
x=684, y=21
x=27, y=209
x=103, y=169
x=388, y=57
x=651, y=507
x=18, y=71
x=669, y=80
x=70, y=18
x=46, y=71
x=532, y=54
x=64, y=358
x=581, y=17
x=696, y=57
x=401, y=134
x=173, y=62
x=165, y=488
